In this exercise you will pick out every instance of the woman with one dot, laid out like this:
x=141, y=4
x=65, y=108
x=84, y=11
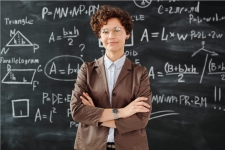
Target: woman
x=112, y=97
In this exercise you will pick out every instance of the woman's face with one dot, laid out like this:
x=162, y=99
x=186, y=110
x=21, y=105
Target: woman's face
x=113, y=36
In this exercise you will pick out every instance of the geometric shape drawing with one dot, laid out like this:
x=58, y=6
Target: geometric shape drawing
x=130, y=41
x=203, y=49
x=19, y=76
x=20, y=108
x=19, y=40
x=142, y=3
x=212, y=53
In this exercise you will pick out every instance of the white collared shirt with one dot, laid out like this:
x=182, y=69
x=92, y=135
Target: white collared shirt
x=112, y=72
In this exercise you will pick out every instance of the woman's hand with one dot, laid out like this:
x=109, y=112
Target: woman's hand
x=87, y=100
x=136, y=106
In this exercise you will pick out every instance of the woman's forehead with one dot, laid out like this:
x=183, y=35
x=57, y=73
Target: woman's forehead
x=112, y=23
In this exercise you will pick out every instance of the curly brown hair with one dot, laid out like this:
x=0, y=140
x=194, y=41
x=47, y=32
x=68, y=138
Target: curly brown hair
x=107, y=12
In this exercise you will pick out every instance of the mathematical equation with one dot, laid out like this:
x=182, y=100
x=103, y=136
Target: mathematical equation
x=55, y=98
x=216, y=68
x=61, y=12
x=181, y=100
x=59, y=69
x=183, y=69
x=171, y=69
x=165, y=36
x=69, y=34
x=39, y=116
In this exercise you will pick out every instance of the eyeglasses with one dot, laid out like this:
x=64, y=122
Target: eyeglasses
x=116, y=31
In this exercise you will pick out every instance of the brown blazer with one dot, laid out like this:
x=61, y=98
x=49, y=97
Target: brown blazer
x=132, y=82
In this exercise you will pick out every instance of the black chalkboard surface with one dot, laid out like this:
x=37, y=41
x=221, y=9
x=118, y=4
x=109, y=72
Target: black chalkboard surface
x=44, y=43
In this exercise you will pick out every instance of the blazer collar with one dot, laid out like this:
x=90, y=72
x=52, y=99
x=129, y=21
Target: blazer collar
x=100, y=68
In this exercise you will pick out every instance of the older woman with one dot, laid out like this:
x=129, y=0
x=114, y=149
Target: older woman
x=112, y=97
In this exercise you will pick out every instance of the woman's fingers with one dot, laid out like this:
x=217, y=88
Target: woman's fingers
x=141, y=109
x=140, y=102
x=141, y=99
x=140, y=105
x=143, y=104
x=84, y=101
x=87, y=100
x=87, y=96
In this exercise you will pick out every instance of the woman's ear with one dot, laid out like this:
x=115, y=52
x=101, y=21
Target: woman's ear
x=100, y=39
x=127, y=37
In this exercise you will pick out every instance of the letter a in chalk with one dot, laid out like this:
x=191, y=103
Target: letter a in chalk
x=51, y=37
x=145, y=34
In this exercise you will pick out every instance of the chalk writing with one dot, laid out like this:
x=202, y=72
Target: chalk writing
x=179, y=69
x=65, y=12
x=18, y=60
x=41, y=116
x=203, y=35
x=74, y=123
x=19, y=76
x=69, y=34
x=142, y=3
x=216, y=68
x=138, y=17
x=181, y=36
x=18, y=21
x=178, y=10
x=162, y=113
x=212, y=53
x=218, y=98
x=215, y=18
x=181, y=100
x=55, y=98
x=56, y=69
x=20, y=108
x=20, y=40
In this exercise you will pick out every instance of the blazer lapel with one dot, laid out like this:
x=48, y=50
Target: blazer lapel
x=127, y=67
x=100, y=69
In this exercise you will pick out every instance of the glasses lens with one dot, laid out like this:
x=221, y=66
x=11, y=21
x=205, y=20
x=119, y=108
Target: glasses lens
x=105, y=31
x=117, y=31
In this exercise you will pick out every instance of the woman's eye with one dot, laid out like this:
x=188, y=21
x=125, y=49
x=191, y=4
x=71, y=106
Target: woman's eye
x=117, y=29
x=105, y=31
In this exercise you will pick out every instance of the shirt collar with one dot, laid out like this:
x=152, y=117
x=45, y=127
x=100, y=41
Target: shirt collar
x=119, y=62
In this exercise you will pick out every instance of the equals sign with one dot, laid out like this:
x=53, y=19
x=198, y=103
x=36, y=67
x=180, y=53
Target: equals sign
x=156, y=34
x=44, y=116
x=59, y=37
x=62, y=71
x=160, y=74
x=49, y=13
x=215, y=94
x=48, y=99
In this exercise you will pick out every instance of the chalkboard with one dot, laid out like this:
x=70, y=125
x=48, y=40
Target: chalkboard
x=44, y=43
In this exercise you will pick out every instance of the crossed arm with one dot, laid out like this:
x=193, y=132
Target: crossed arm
x=134, y=116
x=107, y=117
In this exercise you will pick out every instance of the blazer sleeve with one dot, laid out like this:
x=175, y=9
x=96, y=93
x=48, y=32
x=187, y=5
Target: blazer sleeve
x=138, y=120
x=81, y=113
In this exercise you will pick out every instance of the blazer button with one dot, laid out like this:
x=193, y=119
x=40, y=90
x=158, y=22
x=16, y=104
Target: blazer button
x=113, y=94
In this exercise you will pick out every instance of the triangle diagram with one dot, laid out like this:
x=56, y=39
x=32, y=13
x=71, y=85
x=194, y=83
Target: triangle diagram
x=19, y=40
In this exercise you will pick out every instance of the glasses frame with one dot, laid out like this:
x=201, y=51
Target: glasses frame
x=114, y=30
